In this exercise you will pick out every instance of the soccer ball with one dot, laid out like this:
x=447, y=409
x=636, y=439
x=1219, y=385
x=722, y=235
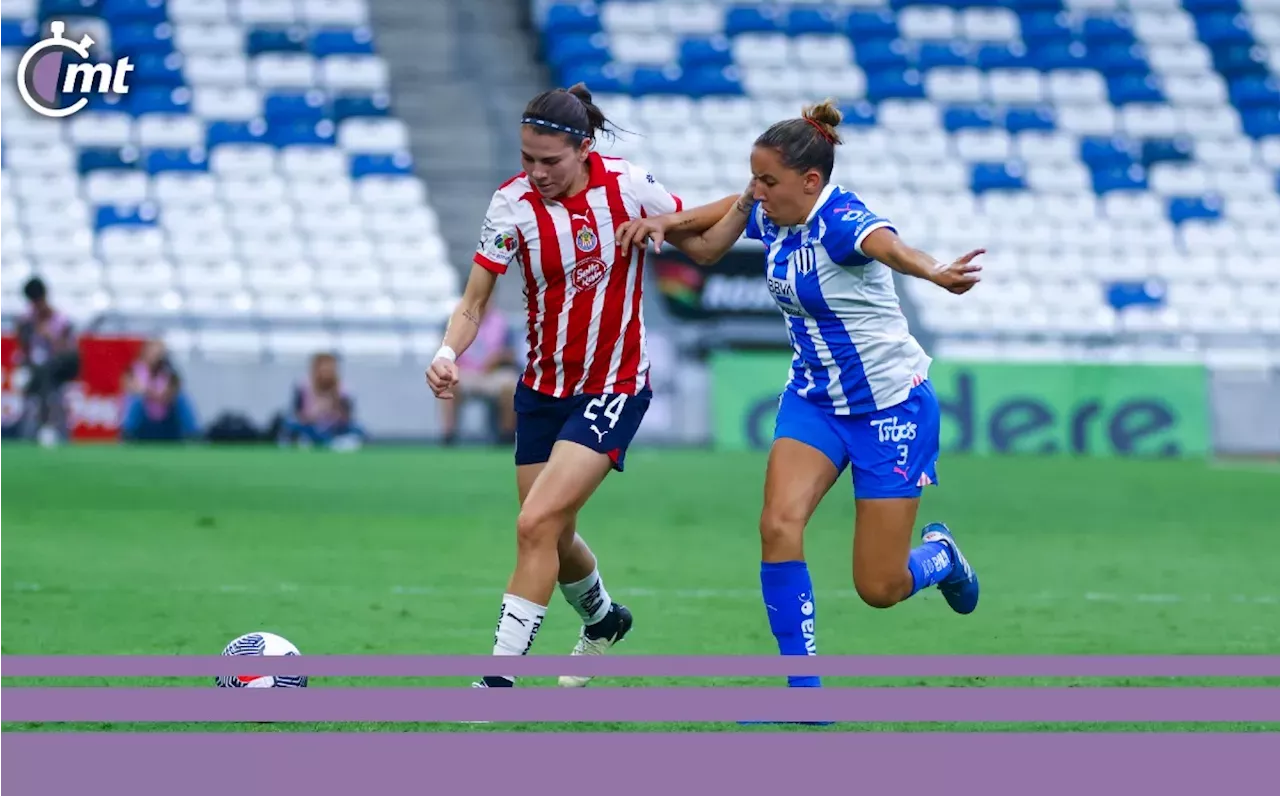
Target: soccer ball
x=261, y=643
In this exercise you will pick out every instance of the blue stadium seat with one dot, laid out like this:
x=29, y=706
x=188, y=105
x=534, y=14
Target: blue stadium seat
x=157, y=69
x=253, y=132
x=754, y=19
x=1050, y=56
x=291, y=39
x=1132, y=88
x=565, y=18
x=186, y=160
x=935, y=54
x=1041, y=28
x=1132, y=178
x=1123, y=294
x=975, y=117
x=1105, y=153
x=1009, y=55
x=1172, y=150
x=1186, y=208
x=100, y=159
x=1255, y=91
x=606, y=79
x=883, y=54
x=290, y=133
x=997, y=177
x=159, y=99
x=143, y=215
x=358, y=41
x=351, y=106
x=373, y=165
x=858, y=114
x=803, y=20
x=713, y=82
x=134, y=11
x=1036, y=117
x=894, y=84
x=1261, y=122
x=584, y=48
x=137, y=39
x=867, y=26
x=303, y=106
x=19, y=32
x=53, y=9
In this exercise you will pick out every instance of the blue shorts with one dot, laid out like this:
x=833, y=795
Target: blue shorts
x=604, y=423
x=894, y=451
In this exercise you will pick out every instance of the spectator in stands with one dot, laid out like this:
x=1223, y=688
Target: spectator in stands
x=156, y=408
x=48, y=360
x=488, y=372
x=323, y=413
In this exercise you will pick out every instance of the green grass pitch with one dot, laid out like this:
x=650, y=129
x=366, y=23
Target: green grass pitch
x=153, y=551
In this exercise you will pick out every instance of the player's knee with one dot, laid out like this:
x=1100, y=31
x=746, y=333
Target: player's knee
x=880, y=592
x=538, y=527
x=780, y=534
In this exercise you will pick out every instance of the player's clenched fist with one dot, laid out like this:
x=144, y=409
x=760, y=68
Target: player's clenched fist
x=442, y=377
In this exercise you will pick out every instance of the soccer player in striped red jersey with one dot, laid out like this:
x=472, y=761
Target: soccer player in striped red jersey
x=586, y=386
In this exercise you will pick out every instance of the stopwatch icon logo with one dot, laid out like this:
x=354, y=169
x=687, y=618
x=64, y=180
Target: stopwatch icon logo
x=52, y=67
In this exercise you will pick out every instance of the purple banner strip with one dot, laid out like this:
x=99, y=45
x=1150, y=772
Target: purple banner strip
x=993, y=764
x=646, y=666
x=644, y=704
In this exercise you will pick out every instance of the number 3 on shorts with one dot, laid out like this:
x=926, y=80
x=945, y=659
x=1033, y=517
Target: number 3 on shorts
x=903, y=451
x=613, y=411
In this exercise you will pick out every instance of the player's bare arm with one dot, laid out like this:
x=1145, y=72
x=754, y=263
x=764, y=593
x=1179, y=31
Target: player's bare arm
x=958, y=276
x=676, y=227
x=464, y=325
x=708, y=247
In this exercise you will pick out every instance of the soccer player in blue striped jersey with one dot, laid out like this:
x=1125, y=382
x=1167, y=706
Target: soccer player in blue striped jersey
x=857, y=395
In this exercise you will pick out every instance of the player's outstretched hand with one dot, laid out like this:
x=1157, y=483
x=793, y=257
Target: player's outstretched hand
x=442, y=377
x=960, y=275
x=638, y=231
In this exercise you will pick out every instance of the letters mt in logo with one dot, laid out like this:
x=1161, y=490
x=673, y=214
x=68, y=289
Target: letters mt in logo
x=50, y=68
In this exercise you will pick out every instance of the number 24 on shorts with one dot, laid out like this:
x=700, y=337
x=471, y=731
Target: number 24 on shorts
x=612, y=408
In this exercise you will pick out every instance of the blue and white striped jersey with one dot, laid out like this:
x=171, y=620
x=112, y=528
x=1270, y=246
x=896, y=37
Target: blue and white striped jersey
x=853, y=351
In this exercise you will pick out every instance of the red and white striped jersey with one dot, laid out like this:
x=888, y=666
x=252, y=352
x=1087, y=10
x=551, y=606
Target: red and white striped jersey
x=585, y=318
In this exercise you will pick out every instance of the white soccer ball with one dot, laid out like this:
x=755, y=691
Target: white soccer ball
x=261, y=643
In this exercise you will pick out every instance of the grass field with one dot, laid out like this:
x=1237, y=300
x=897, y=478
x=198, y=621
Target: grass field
x=154, y=551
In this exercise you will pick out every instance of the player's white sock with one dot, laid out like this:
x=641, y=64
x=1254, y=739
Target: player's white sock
x=588, y=597
x=517, y=626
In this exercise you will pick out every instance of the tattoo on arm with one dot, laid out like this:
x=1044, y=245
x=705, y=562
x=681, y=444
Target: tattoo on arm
x=684, y=223
x=471, y=316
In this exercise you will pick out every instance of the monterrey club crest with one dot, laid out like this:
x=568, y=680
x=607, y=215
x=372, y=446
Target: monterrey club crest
x=586, y=240
x=588, y=273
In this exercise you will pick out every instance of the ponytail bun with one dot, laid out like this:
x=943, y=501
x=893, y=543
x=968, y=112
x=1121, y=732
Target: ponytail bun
x=826, y=117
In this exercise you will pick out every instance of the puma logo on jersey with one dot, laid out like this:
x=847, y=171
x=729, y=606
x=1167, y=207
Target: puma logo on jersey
x=600, y=434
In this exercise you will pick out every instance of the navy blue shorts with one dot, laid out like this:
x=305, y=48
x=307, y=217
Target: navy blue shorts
x=604, y=423
x=893, y=452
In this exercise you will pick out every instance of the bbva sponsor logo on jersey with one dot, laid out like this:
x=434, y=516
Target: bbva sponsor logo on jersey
x=588, y=273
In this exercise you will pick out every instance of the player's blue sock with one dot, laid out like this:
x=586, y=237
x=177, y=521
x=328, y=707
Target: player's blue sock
x=788, y=600
x=930, y=563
